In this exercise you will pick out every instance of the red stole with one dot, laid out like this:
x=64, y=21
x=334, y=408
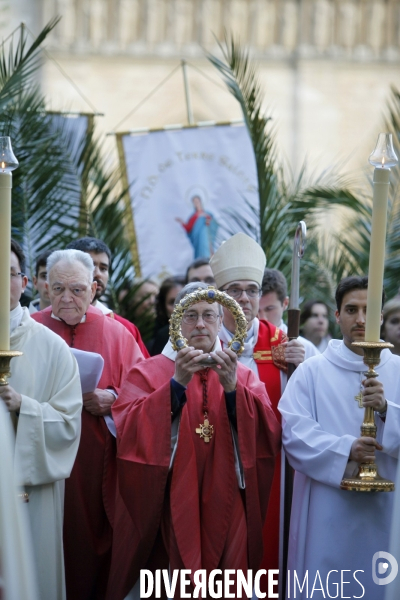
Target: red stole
x=270, y=336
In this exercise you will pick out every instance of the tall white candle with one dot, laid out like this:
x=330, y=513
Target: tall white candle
x=5, y=243
x=377, y=254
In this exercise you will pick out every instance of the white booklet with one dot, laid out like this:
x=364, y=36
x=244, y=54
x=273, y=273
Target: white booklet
x=91, y=366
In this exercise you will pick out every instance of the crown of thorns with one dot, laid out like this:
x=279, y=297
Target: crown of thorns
x=209, y=295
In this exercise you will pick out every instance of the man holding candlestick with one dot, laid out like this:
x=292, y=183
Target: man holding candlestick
x=44, y=400
x=335, y=530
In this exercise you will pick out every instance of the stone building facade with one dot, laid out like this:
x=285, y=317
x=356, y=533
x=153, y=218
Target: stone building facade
x=326, y=65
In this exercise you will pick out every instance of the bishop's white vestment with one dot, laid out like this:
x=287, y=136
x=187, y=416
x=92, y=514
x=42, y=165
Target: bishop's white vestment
x=47, y=438
x=332, y=529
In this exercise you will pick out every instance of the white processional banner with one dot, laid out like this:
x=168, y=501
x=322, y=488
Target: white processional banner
x=190, y=189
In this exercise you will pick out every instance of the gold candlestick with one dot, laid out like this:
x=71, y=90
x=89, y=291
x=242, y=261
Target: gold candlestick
x=5, y=359
x=368, y=478
x=8, y=163
x=382, y=158
x=5, y=244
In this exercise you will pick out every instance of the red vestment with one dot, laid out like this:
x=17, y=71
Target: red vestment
x=90, y=492
x=269, y=373
x=193, y=516
x=131, y=327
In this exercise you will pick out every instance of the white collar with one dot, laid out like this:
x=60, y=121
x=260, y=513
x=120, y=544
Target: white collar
x=251, y=338
x=283, y=326
x=16, y=317
x=338, y=353
x=104, y=309
x=53, y=316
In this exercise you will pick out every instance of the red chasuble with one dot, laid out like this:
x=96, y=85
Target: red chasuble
x=193, y=516
x=270, y=336
x=90, y=490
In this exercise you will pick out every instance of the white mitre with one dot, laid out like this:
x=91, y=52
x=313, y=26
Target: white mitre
x=238, y=258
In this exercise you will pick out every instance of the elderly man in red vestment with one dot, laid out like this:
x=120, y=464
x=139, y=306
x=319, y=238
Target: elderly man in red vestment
x=101, y=256
x=238, y=267
x=203, y=497
x=90, y=492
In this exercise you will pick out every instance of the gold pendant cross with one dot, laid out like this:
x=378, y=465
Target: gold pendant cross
x=359, y=398
x=205, y=430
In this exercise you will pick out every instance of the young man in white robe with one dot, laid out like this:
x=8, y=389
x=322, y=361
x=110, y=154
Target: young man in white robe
x=334, y=534
x=44, y=401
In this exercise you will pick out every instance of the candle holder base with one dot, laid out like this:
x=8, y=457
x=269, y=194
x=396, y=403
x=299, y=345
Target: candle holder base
x=368, y=478
x=5, y=359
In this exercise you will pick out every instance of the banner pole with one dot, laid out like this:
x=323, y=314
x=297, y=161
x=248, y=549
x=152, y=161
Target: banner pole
x=187, y=93
x=128, y=208
x=293, y=333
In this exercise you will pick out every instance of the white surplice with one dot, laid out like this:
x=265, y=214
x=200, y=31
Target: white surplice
x=17, y=578
x=47, y=438
x=332, y=529
x=393, y=590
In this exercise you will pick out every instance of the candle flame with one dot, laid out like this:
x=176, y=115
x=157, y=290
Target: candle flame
x=3, y=165
x=383, y=161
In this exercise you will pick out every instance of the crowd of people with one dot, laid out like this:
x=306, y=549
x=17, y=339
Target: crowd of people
x=170, y=460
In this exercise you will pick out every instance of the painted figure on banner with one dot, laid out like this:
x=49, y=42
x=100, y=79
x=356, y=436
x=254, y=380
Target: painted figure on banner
x=201, y=229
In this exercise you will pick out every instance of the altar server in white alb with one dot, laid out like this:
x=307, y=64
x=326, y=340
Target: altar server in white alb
x=44, y=401
x=334, y=534
x=16, y=569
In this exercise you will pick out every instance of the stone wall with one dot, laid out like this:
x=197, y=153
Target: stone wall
x=359, y=29
x=326, y=65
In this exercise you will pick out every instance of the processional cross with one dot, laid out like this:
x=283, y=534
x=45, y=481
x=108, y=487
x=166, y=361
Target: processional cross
x=359, y=398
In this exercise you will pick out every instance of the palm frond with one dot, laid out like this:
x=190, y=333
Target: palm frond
x=19, y=64
x=63, y=188
x=284, y=201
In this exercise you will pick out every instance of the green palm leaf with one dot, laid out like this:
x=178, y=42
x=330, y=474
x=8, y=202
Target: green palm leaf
x=62, y=189
x=286, y=200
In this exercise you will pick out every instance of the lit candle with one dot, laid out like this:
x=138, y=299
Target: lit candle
x=8, y=162
x=382, y=158
x=5, y=244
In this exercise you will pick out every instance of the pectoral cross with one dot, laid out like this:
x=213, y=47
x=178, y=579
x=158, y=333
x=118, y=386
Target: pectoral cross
x=205, y=430
x=359, y=398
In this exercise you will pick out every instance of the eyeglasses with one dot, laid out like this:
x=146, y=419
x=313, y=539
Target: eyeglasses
x=76, y=291
x=14, y=274
x=191, y=317
x=235, y=292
